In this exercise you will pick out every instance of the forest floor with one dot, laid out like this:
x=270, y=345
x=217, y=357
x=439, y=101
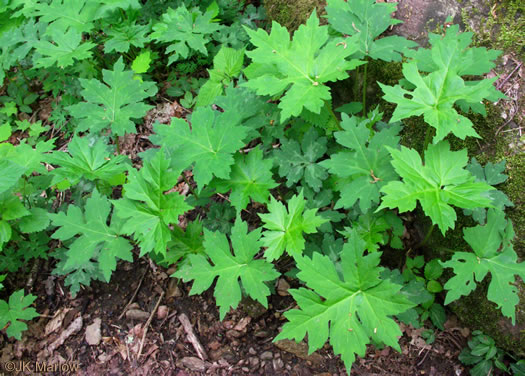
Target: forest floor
x=164, y=331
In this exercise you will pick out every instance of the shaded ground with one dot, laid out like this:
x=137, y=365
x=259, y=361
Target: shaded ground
x=240, y=345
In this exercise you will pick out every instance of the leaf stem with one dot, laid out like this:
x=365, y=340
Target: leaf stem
x=427, y=237
x=332, y=113
x=428, y=134
x=365, y=68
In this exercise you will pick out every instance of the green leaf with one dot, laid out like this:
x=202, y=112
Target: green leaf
x=285, y=228
x=16, y=44
x=367, y=165
x=184, y=31
x=364, y=21
x=88, y=159
x=233, y=269
x=142, y=62
x=17, y=309
x=147, y=209
x=227, y=64
x=377, y=229
x=66, y=48
x=113, y=105
x=11, y=207
x=441, y=182
x=65, y=15
x=96, y=240
x=493, y=253
x=37, y=220
x=250, y=178
x=210, y=144
x=123, y=36
x=299, y=161
x=355, y=307
x=433, y=269
x=5, y=132
x=10, y=172
x=300, y=67
x=436, y=93
x=490, y=174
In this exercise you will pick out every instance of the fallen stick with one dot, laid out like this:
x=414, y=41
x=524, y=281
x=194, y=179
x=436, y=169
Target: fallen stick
x=148, y=323
x=191, y=336
x=134, y=295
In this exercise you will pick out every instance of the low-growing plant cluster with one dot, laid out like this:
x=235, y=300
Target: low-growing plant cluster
x=271, y=171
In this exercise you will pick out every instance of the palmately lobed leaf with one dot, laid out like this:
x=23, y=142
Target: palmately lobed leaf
x=284, y=228
x=210, y=144
x=113, y=104
x=441, y=182
x=146, y=209
x=185, y=31
x=364, y=21
x=298, y=162
x=300, y=67
x=366, y=164
x=349, y=310
x=232, y=269
x=250, y=178
x=437, y=92
x=86, y=158
x=16, y=309
x=94, y=238
x=493, y=252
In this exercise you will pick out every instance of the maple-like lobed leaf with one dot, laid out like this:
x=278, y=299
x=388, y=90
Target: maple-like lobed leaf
x=231, y=269
x=493, y=252
x=16, y=309
x=284, y=228
x=94, y=238
x=210, y=144
x=112, y=105
x=436, y=93
x=299, y=161
x=355, y=307
x=185, y=31
x=367, y=164
x=87, y=158
x=250, y=178
x=364, y=21
x=67, y=48
x=441, y=182
x=300, y=67
x=147, y=210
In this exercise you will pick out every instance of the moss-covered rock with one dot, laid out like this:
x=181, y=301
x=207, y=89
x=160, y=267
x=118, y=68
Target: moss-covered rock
x=291, y=14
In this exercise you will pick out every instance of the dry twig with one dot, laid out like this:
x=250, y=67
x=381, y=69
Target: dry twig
x=146, y=326
x=191, y=336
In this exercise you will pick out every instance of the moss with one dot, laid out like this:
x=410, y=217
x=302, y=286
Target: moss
x=291, y=14
x=487, y=318
x=504, y=28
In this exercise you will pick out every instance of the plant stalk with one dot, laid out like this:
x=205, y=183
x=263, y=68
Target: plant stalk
x=365, y=68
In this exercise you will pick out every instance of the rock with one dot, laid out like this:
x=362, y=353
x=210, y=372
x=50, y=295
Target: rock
x=282, y=287
x=241, y=325
x=194, y=364
x=162, y=312
x=278, y=364
x=299, y=349
x=254, y=362
x=267, y=355
x=293, y=13
x=93, y=334
x=137, y=314
x=221, y=352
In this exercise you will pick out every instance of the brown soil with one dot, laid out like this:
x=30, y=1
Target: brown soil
x=240, y=345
